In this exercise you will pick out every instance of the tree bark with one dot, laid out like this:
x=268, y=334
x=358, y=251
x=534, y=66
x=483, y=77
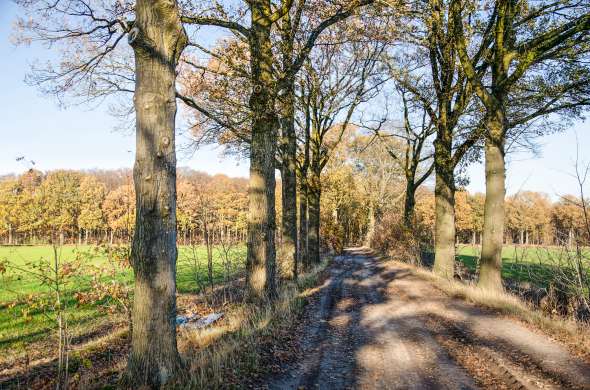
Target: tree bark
x=158, y=39
x=303, y=227
x=444, y=235
x=409, y=205
x=289, y=183
x=313, y=234
x=261, y=257
x=370, y=227
x=490, y=275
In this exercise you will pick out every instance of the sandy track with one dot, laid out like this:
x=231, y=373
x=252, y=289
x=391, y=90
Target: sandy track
x=377, y=326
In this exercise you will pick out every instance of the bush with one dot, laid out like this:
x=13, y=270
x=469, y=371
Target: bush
x=409, y=245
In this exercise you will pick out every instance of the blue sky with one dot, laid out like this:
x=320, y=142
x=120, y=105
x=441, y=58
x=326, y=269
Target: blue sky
x=77, y=137
x=85, y=137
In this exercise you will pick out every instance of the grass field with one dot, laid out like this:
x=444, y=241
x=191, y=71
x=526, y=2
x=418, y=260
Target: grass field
x=22, y=324
x=525, y=263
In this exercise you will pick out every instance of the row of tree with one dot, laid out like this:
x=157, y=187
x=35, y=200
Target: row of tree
x=78, y=207
x=285, y=85
x=531, y=218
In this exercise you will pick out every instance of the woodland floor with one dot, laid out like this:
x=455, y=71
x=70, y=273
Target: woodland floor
x=375, y=325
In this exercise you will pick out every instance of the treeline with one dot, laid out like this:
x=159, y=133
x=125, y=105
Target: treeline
x=66, y=206
x=532, y=218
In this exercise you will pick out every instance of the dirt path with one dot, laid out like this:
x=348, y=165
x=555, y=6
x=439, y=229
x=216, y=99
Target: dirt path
x=377, y=326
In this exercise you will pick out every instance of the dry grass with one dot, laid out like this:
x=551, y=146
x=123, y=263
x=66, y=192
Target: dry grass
x=222, y=355
x=571, y=333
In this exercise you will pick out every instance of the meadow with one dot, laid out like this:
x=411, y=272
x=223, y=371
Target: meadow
x=26, y=307
x=535, y=264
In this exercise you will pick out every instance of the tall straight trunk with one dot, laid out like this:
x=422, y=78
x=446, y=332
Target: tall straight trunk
x=157, y=38
x=288, y=152
x=9, y=235
x=490, y=275
x=313, y=234
x=289, y=184
x=261, y=256
x=444, y=234
x=303, y=225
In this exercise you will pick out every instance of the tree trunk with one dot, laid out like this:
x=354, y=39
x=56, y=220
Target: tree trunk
x=313, y=234
x=261, y=256
x=444, y=235
x=288, y=152
x=9, y=235
x=490, y=276
x=370, y=226
x=409, y=204
x=303, y=226
x=158, y=39
x=289, y=184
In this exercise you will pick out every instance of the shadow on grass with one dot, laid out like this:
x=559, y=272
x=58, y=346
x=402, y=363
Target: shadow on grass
x=536, y=273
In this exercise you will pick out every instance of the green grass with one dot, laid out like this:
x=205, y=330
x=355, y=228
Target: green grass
x=525, y=263
x=18, y=331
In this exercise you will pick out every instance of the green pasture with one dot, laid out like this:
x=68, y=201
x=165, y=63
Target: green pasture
x=528, y=263
x=22, y=323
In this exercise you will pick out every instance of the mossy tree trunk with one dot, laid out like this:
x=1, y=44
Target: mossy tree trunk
x=444, y=234
x=313, y=232
x=490, y=274
x=261, y=256
x=158, y=39
x=288, y=151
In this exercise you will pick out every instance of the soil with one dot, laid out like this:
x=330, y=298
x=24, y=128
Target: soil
x=375, y=325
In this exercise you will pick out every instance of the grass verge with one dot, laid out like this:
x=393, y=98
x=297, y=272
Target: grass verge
x=251, y=339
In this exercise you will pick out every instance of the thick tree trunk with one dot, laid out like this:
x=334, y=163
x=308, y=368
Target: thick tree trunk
x=490, y=275
x=289, y=184
x=261, y=257
x=313, y=234
x=444, y=235
x=158, y=39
